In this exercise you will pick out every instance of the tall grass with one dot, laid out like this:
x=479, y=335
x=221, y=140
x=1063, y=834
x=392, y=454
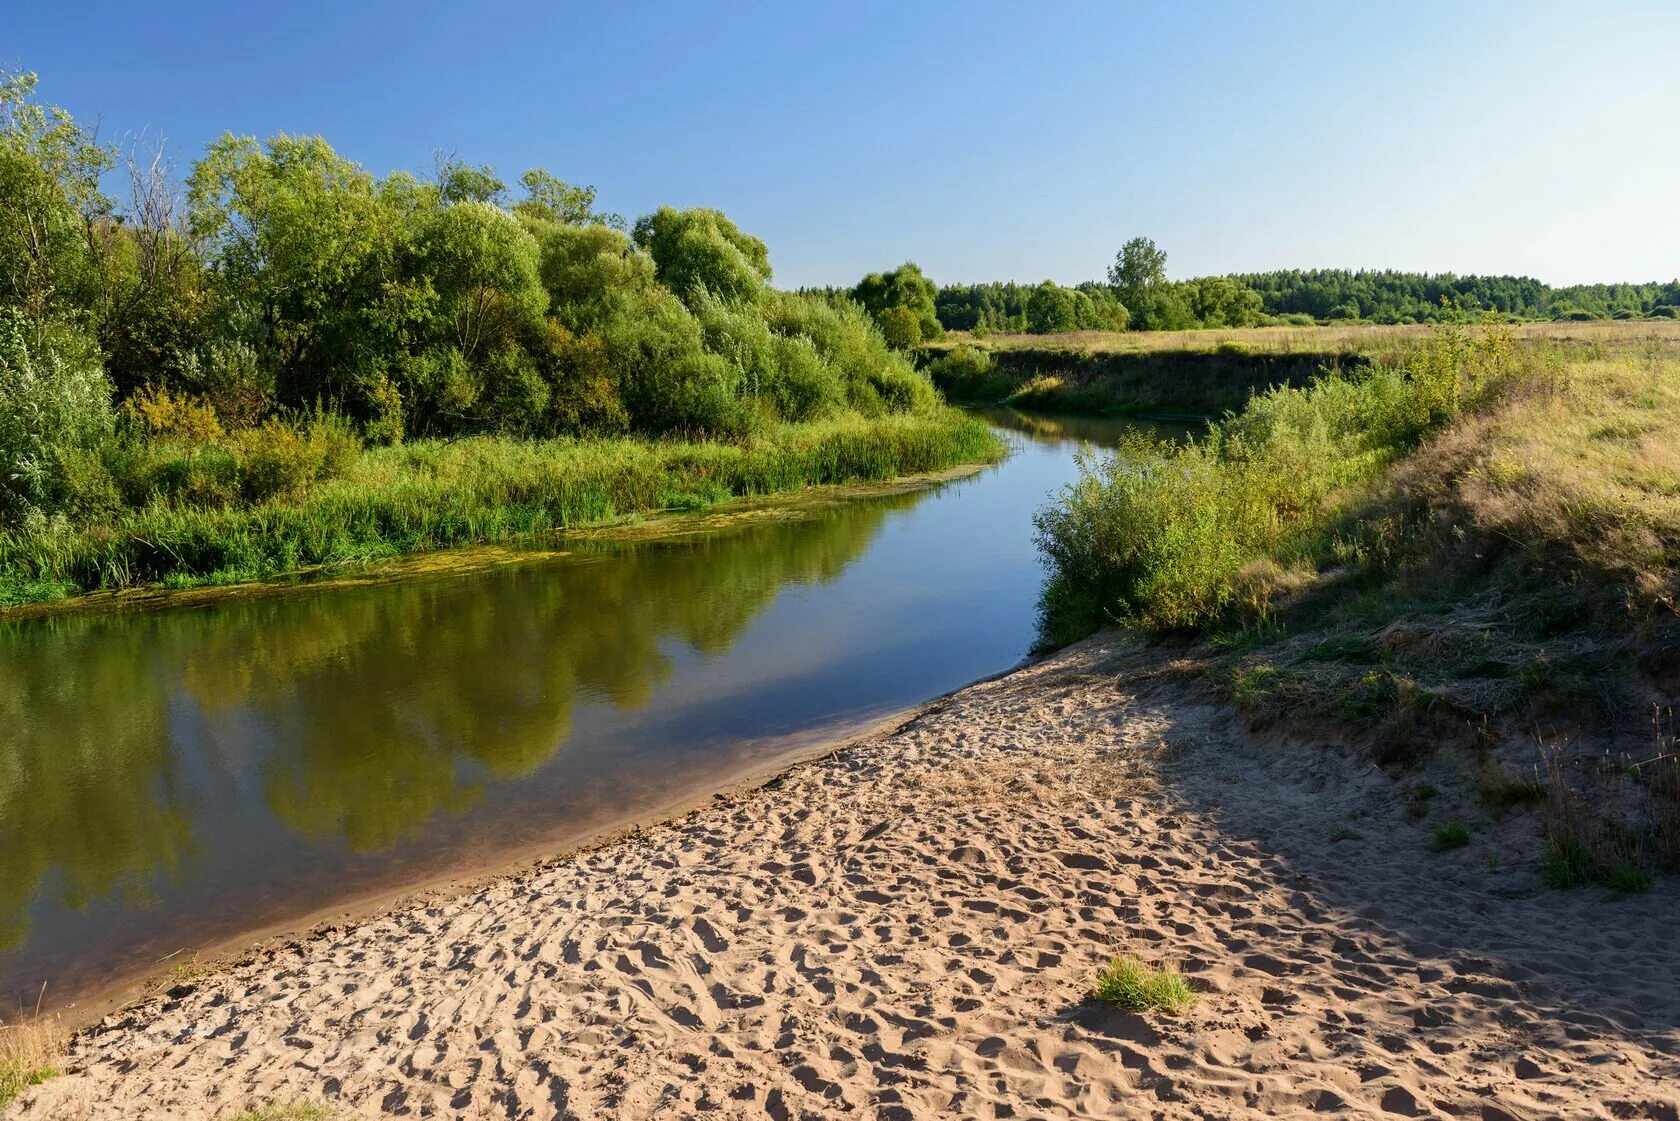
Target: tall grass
x=29, y=1054
x=1173, y=536
x=435, y=494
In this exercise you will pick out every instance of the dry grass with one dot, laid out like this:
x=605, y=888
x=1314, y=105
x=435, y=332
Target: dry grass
x=29, y=1054
x=1363, y=339
x=1593, y=467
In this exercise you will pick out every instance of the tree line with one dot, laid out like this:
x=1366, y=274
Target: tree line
x=282, y=281
x=1138, y=295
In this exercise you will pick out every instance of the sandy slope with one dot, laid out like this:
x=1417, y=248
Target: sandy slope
x=908, y=930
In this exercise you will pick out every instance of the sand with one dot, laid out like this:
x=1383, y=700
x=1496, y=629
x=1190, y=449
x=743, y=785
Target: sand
x=909, y=929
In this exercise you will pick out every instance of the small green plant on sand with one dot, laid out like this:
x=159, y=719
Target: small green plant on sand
x=1453, y=836
x=297, y=1111
x=1137, y=987
x=1566, y=865
x=1629, y=878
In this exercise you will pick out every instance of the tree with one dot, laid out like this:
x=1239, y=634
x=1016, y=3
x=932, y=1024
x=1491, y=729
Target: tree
x=50, y=168
x=1138, y=268
x=556, y=200
x=701, y=248
x=1219, y=301
x=900, y=327
x=1052, y=310
x=464, y=182
x=303, y=244
x=903, y=287
x=483, y=266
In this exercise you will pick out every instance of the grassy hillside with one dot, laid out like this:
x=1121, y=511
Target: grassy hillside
x=1473, y=550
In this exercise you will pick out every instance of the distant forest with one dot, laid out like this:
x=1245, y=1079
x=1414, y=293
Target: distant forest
x=1138, y=295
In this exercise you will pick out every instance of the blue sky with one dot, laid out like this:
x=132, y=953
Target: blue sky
x=984, y=141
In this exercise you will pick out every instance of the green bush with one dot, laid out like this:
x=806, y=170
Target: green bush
x=1175, y=536
x=55, y=406
x=901, y=328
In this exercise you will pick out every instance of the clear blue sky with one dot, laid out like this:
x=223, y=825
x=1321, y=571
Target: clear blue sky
x=982, y=140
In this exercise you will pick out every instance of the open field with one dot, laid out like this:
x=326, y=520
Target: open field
x=1207, y=373
x=1360, y=338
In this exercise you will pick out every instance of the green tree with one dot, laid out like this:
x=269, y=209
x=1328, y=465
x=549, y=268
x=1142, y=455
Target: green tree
x=464, y=182
x=903, y=287
x=1139, y=269
x=702, y=249
x=303, y=246
x=1219, y=301
x=50, y=200
x=555, y=200
x=900, y=327
x=1052, y=310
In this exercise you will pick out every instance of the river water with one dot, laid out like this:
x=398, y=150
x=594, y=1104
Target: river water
x=171, y=779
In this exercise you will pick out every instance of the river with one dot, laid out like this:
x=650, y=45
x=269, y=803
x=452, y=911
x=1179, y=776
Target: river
x=173, y=779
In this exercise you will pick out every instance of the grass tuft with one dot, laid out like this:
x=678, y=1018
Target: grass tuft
x=1453, y=836
x=295, y=1111
x=1137, y=987
x=30, y=1054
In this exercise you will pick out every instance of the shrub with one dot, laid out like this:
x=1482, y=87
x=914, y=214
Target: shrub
x=55, y=403
x=1161, y=534
x=280, y=459
x=174, y=417
x=900, y=327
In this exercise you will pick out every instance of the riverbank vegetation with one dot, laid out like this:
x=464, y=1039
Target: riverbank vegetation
x=294, y=362
x=1472, y=546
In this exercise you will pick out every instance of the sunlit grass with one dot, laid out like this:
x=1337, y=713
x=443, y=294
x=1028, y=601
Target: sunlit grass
x=1136, y=987
x=435, y=494
x=30, y=1053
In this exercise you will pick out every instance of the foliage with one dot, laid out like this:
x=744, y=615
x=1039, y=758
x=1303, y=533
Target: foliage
x=904, y=287
x=554, y=200
x=1176, y=536
x=50, y=169
x=1389, y=296
x=55, y=408
x=701, y=250
x=431, y=494
x=900, y=327
x=1050, y=310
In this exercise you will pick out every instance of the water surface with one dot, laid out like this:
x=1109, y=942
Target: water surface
x=174, y=778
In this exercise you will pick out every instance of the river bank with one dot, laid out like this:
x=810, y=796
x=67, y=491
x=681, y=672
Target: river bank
x=910, y=926
x=426, y=496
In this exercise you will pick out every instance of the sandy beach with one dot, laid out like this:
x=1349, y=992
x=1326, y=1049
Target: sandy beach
x=909, y=928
